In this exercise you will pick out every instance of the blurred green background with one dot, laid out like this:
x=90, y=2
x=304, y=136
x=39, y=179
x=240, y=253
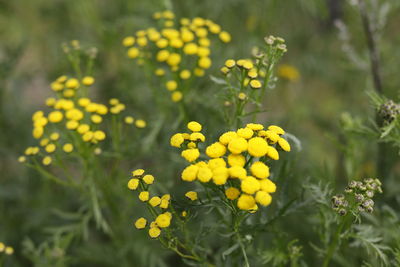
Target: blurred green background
x=311, y=108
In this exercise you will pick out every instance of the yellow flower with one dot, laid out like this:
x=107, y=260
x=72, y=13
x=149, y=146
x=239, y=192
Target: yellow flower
x=154, y=232
x=50, y=101
x=236, y=160
x=194, y=126
x=204, y=174
x=196, y=136
x=133, y=52
x=276, y=129
x=185, y=74
x=128, y=41
x=237, y=172
x=232, y=193
x=230, y=63
x=55, y=86
x=96, y=118
x=133, y=183
x=255, y=126
x=99, y=135
x=272, y=136
x=129, y=120
x=272, y=153
x=190, y=49
x=37, y=132
x=177, y=140
x=257, y=147
x=72, y=83
x=83, y=102
x=227, y=137
x=47, y=160
x=225, y=37
x=55, y=116
x=140, y=123
x=88, y=80
x=176, y=96
x=259, y=170
x=191, y=195
x=216, y=150
x=155, y=201
x=68, y=148
x=255, y=84
x=21, y=159
x=163, y=220
x=148, y=179
x=215, y=163
x=220, y=175
x=190, y=154
x=171, y=85
x=88, y=136
x=174, y=59
x=164, y=203
x=138, y=172
x=189, y=174
x=141, y=41
x=237, y=145
x=250, y=185
x=2, y=246
x=50, y=148
x=267, y=186
x=246, y=202
x=9, y=250
x=144, y=196
x=54, y=136
x=242, y=96
x=204, y=62
x=140, y=223
x=288, y=72
x=246, y=133
x=83, y=128
x=74, y=114
x=263, y=198
x=284, y=144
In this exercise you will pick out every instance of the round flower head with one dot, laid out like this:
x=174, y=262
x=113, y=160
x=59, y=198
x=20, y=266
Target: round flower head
x=47, y=160
x=227, y=137
x=258, y=147
x=189, y=174
x=250, y=185
x=176, y=96
x=237, y=172
x=230, y=63
x=68, y=148
x=171, y=85
x=246, y=133
x=246, y=202
x=144, y=196
x=191, y=195
x=197, y=137
x=236, y=160
x=194, y=126
x=267, y=186
x=220, y=175
x=155, y=201
x=190, y=154
x=284, y=144
x=255, y=126
x=216, y=150
x=88, y=80
x=276, y=129
x=259, y=170
x=204, y=174
x=148, y=179
x=140, y=123
x=177, y=140
x=215, y=163
x=263, y=198
x=138, y=172
x=237, y=145
x=154, y=232
x=55, y=116
x=232, y=193
x=272, y=153
x=163, y=220
x=255, y=84
x=140, y=223
x=133, y=184
x=225, y=37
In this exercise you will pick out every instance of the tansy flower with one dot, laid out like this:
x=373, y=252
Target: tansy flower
x=144, y=196
x=177, y=140
x=190, y=154
x=216, y=150
x=237, y=145
x=189, y=174
x=194, y=126
x=263, y=198
x=259, y=170
x=148, y=179
x=267, y=186
x=257, y=147
x=140, y=223
x=232, y=193
x=163, y=220
x=154, y=232
x=191, y=195
x=246, y=202
x=155, y=201
x=133, y=183
x=250, y=185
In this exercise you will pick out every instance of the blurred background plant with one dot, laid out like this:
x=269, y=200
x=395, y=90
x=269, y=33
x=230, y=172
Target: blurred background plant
x=322, y=100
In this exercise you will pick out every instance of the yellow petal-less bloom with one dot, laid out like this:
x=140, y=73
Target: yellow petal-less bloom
x=246, y=133
x=276, y=129
x=255, y=84
x=68, y=148
x=225, y=37
x=47, y=160
x=189, y=174
x=236, y=160
x=96, y=119
x=216, y=163
x=128, y=41
x=255, y=126
x=163, y=220
x=246, y=202
x=99, y=135
x=177, y=140
x=227, y=137
x=267, y=186
x=171, y=85
x=154, y=232
x=194, y=126
x=196, y=136
x=148, y=179
x=185, y=74
x=174, y=59
x=250, y=185
x=21, y=159
x=237, y=145
x=263, y=198
x=204, y=62
x=284, y=144
x=237, y=172
x=72, y=83
x=216, y=150
x=191, y=195
x=133, y=52
x=155, y=201
x=129, y=120
x=133, y=184
x=259, y=170
x=50, y=148
x=257, y=147
x=9, y=250
x=204, y=174
x=55, y=116
x=176, y=96
x=144, y=196
x=88, y=80
x=140, y=123
x=220, y=175
x=232, y=193
x=273, y=153
x=230, y=63
x=83, y=128
x=138, y=172
x=140, y=223
x=190, y=154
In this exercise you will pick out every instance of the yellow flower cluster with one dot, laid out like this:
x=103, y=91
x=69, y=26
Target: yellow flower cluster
x=236, y=162
x=288, y=72
x=158, y=205
x=182, y=48
x=6, y=249
x=73, y=119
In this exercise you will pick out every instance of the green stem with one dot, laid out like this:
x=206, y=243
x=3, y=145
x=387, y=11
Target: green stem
x=334, y=243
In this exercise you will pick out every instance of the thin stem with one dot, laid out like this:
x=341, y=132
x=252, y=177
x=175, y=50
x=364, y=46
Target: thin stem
x=334, y=243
